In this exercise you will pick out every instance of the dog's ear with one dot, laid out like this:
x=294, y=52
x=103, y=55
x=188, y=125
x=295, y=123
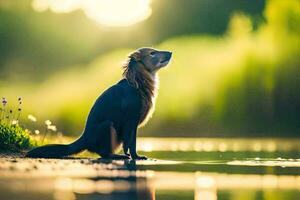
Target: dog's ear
x=136, y=56
x=132, y=60
x=130, y=68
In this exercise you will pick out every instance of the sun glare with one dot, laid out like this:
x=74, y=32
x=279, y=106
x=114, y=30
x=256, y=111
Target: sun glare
x=106, y=12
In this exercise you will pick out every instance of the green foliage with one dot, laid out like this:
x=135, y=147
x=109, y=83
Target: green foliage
x=32, y=44
x=14, y=138
x=263, y=95
x=243, y=83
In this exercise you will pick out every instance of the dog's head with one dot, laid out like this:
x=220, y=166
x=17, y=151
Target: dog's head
x=151, y=59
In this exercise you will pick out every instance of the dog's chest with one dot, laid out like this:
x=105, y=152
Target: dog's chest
x=148, y=107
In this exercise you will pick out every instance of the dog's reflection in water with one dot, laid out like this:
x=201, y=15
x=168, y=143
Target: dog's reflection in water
x=125, y=184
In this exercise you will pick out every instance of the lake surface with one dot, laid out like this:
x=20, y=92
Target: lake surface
x=206, y=169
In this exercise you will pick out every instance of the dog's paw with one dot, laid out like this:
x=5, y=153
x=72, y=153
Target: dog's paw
x=137, y=157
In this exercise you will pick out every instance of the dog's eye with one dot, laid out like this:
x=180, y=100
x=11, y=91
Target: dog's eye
x=152, y=53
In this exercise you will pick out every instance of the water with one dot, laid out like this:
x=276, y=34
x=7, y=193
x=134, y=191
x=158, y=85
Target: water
x=210, y=169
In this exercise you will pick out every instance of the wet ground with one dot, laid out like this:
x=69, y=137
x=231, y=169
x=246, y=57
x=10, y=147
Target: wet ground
x=209, y=169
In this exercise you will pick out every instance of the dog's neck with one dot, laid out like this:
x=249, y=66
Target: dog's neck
x=141, y=79
x=146, y=83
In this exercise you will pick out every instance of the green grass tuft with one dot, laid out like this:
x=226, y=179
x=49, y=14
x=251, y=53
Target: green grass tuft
x=15, y=138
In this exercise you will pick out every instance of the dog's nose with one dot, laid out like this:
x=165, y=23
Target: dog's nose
x=169, y=54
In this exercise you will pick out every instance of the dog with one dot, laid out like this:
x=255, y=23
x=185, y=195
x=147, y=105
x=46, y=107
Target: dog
x=118, y=112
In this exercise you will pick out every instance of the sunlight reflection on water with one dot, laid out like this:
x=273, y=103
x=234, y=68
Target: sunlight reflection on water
x=267, y=162
x=205, y=185
x=194, y=168
x=216, y=144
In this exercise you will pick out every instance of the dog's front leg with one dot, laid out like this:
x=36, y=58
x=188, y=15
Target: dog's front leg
x=132, y=148
x=130, y=133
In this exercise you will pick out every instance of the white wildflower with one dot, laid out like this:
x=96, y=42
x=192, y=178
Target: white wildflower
x=48, y=122
x=52, y=128
x=36, y=132
x=32, y=118
x=14, y=122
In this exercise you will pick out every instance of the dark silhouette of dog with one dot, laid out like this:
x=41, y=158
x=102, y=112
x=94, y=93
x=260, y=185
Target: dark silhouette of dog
x=118, y=112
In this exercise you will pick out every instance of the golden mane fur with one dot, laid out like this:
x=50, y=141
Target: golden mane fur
x=145, y=82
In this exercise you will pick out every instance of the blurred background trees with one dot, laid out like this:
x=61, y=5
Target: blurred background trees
x=235, y=70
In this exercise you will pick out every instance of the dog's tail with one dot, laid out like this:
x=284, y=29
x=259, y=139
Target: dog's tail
x=57, y=150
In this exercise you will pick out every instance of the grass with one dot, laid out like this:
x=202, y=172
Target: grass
x=14, y=138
